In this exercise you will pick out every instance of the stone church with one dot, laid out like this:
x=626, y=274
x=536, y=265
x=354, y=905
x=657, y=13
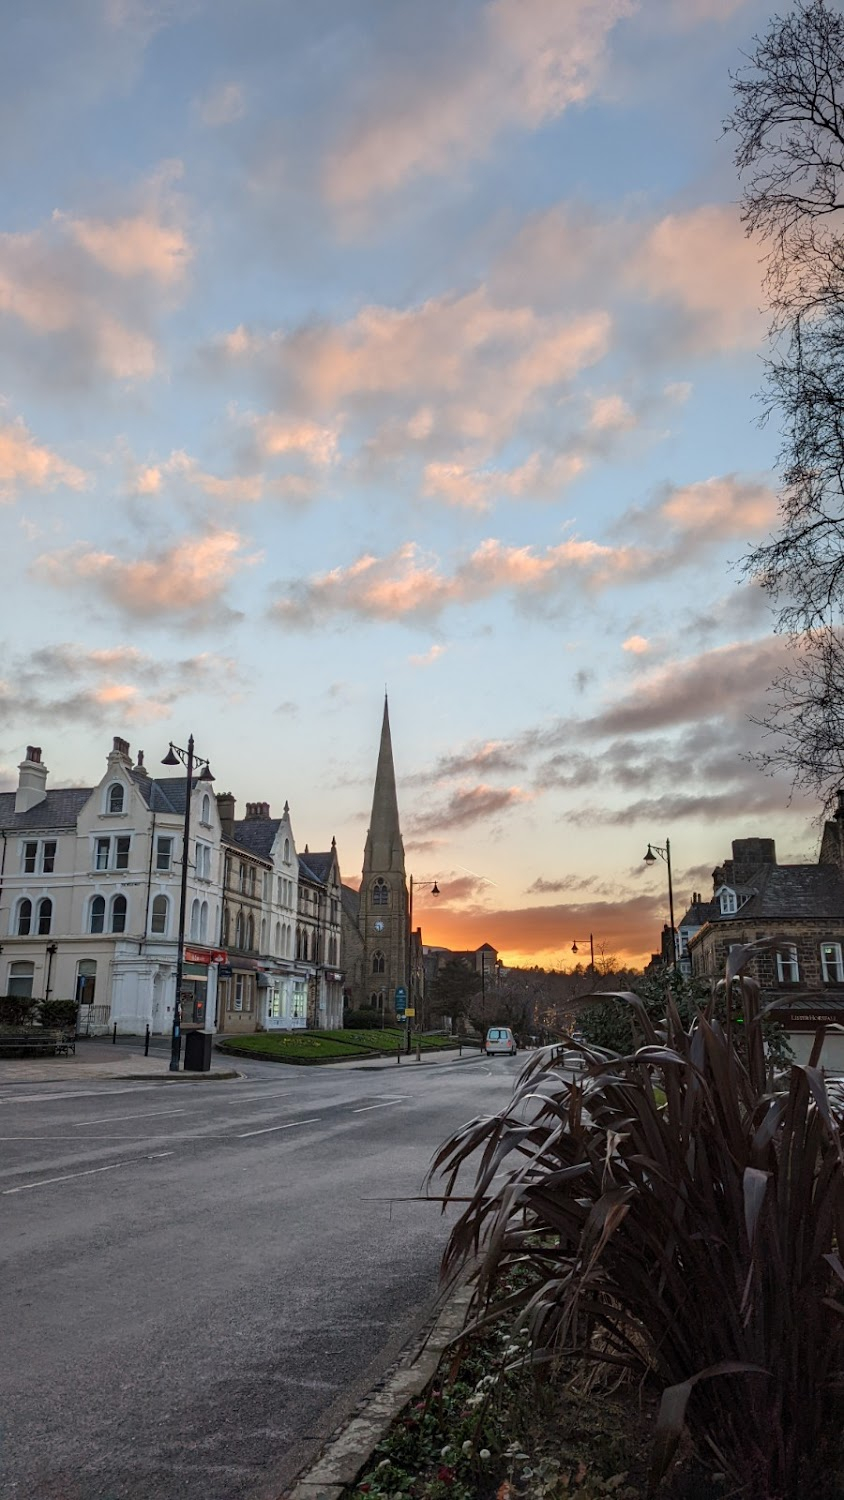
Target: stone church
x=377, y=942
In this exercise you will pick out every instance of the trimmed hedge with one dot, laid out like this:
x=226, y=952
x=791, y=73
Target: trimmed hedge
x=23, y=1010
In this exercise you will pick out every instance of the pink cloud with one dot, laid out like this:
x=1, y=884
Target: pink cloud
x=703, y=262
x=137, y=246
x=637, y=645
x=525, y=63
x=724, y=506
x=187, y=579
x=26, y=464
x=405, y=582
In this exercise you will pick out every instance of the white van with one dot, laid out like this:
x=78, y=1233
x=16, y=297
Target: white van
x=500, y=1039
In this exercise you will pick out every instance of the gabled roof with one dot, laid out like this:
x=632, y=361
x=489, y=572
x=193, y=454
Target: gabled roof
x=257, y=835
x=162, y=793
x=698, y=913
x=318, y=866
x=350, y=902
x=60, y=808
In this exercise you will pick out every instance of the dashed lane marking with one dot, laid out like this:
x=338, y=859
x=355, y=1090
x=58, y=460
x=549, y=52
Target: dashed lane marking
x=269, y=1128
x=26, y=1187
x=147, y=1114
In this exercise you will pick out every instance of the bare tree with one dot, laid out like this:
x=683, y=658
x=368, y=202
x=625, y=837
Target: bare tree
x=789, y=121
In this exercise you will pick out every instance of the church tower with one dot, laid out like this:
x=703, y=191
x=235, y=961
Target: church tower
x=383, y=910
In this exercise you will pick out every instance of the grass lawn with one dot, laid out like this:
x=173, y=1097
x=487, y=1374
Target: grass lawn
x=293, y=1047
x=326, y=1046
x=388, y=1039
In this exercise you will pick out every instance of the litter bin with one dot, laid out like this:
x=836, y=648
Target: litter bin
x=198, y=1051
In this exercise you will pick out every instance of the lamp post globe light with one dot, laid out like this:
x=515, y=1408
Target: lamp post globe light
x=649, y=858
x=591, y=949
x=176, y=756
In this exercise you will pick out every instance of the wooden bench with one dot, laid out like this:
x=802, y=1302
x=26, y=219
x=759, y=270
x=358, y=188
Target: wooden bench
x=38, y=1043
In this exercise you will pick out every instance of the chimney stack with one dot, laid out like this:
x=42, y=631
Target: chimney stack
x=119, y=754
x=32, y=782
x=257, y=809
x=832, y=842
x=225, y=810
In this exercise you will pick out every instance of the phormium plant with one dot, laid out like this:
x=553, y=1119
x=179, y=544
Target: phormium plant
x=679, y=1218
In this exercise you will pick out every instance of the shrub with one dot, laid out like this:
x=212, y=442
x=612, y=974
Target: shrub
x=676, y=1218
x=58, y=1014
x=16, y=1010
x=365, y=1019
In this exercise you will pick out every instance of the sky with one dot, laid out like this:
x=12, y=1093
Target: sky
x=373, y=344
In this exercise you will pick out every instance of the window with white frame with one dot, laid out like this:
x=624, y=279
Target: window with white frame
x=300, y=1000
x=20, y=980
x=48, y=856
x=832, y=964
x=112, y=854
x=116, y=798
x=194, y=921
x=118, y=914
x=203, y=922
x=728, y=901
x=23, y=926
x=121, y=853
x=287, y=851
x=102, y=850
x=265, y=886
x=30, y=857
x=278, y=889
x=788, y=971
x=44, y=916
x=205, y=815
x=203, y=861
x=97, y=918
x=158, y=919
x=163, y=852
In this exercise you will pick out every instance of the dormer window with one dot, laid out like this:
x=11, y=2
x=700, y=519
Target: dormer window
x=728, y=901
x=116, y=796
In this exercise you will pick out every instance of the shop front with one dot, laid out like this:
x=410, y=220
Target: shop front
x=198, y=994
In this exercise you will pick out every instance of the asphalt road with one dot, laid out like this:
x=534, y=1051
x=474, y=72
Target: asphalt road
x=198, y=1280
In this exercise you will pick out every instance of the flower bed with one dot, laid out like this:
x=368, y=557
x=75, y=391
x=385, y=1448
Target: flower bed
x=293, y=1047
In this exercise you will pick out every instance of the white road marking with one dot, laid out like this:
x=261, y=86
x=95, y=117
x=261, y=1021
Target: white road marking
x=91, y=1172
x=386, y=1105
x=148, y=1114
x=77, y=1094
x=268, y=1128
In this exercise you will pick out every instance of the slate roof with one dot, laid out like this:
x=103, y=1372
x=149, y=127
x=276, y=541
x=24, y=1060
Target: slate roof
x=350, y=899
x=59, y=809
x=318, y=866
x=256, y=835
x=782, y=893
x=698, y=913
x=792, y=892
x=162, y=793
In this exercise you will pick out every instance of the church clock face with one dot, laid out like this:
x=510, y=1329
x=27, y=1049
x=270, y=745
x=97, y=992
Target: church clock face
x=379, y=926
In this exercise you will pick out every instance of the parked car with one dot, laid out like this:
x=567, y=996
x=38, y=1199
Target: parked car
x=500, y=1039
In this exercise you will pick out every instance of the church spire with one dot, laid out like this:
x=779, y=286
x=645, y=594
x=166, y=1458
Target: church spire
x=384, y=848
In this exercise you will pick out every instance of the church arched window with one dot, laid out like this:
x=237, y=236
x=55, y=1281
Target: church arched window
x=380, y=894
x=377, y=963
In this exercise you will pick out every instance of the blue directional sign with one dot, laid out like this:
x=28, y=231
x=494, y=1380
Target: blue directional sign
x=401, y=997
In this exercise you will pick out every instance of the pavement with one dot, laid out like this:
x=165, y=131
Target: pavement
x=201, y=1284
x=103, y=1059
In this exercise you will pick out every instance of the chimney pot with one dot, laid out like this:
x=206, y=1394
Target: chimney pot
x=33, y=753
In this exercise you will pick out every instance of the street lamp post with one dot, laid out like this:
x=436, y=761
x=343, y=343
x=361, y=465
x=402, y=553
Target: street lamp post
x=650, y=858
x=175, y=755
x=411, y=967
x=591, y=950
